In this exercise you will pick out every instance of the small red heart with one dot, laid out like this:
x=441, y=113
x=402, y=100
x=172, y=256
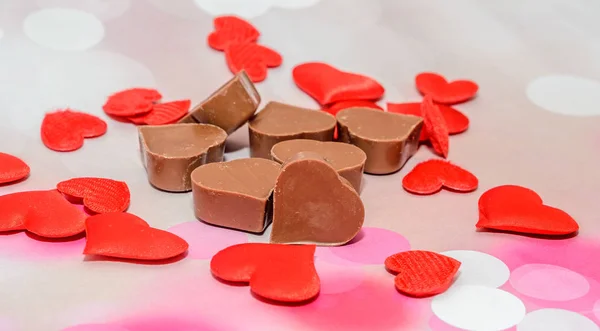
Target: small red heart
x=327, y=84
x=443, y=92
x=253, y=58
x=333, y=109
x=131, y=102
x=422, y=273
x=435, y=126
x=231, y=30
x=430, y=176
x=127, y=236
x=518, y=209
x=100, y=195
x=163, y=113
x=284, y=273
x=12, y=168
x=65, y=130
x=456, y=121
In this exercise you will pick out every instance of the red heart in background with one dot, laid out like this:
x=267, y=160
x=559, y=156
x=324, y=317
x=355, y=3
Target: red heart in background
x=100, y=195
x=64, y=131
x=253, y=58
x=131, y=102
x=444, y=92
x=231, y=30
x=435, y=126
x=163, y=113
x=333, y=109
x=430, y=176
x=12, y=168
x=127, y=236
x=519, y=209
x=284, y=273
x=456, y=121
x=327, y=84
x=422, y=273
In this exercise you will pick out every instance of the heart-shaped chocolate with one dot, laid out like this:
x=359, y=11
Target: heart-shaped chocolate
x=235, y=194
x=313, y=204
x=171, y=152
x=279, y=122
x=388, y=139
x=348, y=160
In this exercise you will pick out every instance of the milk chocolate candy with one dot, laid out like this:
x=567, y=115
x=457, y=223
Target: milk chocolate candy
x=232, y=105
x=171, y=152
x=348, y=160
x=235, y=194
x=279, y=122
x=313, y=204
x=388, y=139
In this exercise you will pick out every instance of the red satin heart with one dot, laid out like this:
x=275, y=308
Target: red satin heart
x=327, y=84
x=231, y=30
x=12, y=168
x=284, y=273
x=430, y=176
x=444, y=92
x=435, y=126
x=518, y=209
x=131, y=102
x=253, y=58
x=422, y=273
x=65, y=130
x=164, y=113
x=333, y=109
x=100, y=195
x=127, y=236
x=456, y=121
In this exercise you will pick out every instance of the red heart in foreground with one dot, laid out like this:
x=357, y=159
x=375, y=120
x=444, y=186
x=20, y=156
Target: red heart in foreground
x=253, y=58
x=456, y=121
x=443, y=92
x=65, y=130
x=430, y=176
x=284, y=273
x=518, y=209
x=231, y=30
x=435, y=126
x=327, y=84
x=131, y=102
x=163, y=113
x=100, y=195
x=12, y=168
x=422, y=273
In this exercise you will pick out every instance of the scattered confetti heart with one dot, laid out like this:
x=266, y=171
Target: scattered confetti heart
x=12, y=168
x=422, y=273
x=65, y=130
x=435, y=126
x=430, y=176
x=444, y=92
x=100, y=195
x=253, y=58
x=131, y=102
x=519, y=209
x=127, y=236
x=164, y=113
x=231, y=30
x=284, y=273
x=456, y=121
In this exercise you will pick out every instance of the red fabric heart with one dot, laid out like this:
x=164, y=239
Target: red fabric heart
x=164, y=113
x=422, y=273
x=12, y=168
x=284, y=273
x=333, y=109
x=456, y=121
x=443, y=92
x=127, y=236
x=435, y=126
x=65, y=130
x=131, y=102
x=327, y=84
x=100, y=195
x=519, y=209
x=430, y=176
x=231, y=30
x=253, y=58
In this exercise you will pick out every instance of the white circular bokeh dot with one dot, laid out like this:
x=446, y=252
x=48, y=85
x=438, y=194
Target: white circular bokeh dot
x=556, y=320
x=479, y=268
x=103, y=9
x=64, y=29
x=249, y=9
x=566, y=95
x=549, y=282
x=474, y=307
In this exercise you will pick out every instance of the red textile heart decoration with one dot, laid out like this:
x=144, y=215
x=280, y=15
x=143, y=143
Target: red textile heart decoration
x=456, y=121
x=65, y=130
x=231, y=30
x=131, y=102
x=327, y=84
x=435, y=126
x=164, y=113
x=253, y=58
x=44, y=213
x=127, y=236
x=422, y=273
x=100, y=195
x=443, y=92
x=284, y=273
x=12, y=168
x=430, y=176
x=518, y=209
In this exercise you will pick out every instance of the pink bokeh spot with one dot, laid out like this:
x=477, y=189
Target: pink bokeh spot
x=549, y=282
x=337, y=279
x=95, y=327
x=24, y=245
x=596, y=310
x=206, y=240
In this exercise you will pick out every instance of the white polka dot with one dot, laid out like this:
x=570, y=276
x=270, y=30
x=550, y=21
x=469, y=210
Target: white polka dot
x=64, y=29
x=597, y=309
x=478, y=268
x=249, y=9
x=566, y=95
x=556, y=320
x=549, y=282
x=103, y=9
x=474, y=307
